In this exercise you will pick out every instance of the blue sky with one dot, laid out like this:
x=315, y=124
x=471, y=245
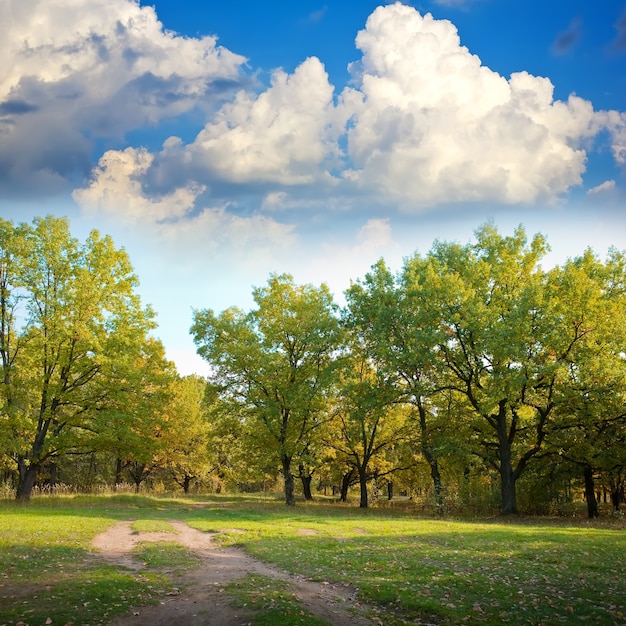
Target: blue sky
x=220, y=142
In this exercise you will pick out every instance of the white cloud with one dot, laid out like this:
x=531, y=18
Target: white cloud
x=343, y=256
x=177, y=223
x=608, y=186
x=615, y=122
x=116, y=187
x=433, y=125
x=274, y=200
x=424, y=123
x=75, y=70
x=282, y=135
x=375, y=235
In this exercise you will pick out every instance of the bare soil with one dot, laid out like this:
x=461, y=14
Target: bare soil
x=202, y=599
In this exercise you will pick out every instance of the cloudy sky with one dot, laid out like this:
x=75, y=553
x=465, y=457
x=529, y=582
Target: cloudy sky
x=220, y=142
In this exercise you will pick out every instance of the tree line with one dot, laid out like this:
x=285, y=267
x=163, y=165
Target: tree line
x=471, y=368
x=83, y=379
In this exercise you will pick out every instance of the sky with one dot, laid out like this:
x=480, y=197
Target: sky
x=221, y=142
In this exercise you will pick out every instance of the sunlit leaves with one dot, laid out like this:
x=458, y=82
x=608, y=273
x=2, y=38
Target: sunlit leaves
x=71, y=324
x=275, y=362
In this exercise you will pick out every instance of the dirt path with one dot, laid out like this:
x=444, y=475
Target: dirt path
x=203, y=600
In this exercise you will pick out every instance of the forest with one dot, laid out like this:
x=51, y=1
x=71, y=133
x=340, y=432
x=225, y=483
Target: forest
x=473, y=380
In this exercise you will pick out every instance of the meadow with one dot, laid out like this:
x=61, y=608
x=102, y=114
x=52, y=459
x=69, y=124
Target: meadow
x=407, y=569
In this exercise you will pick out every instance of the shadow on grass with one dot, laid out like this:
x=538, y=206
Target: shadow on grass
x=68, y=585
x=491, y=572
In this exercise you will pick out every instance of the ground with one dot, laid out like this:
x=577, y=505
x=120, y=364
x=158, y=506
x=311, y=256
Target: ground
x=202, y=598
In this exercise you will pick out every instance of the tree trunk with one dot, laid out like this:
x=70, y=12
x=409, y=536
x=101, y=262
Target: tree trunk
x=590, y=492
x=306, y=479
x=436, y=476
x=53, y=476
x=430, y=457
x=363, y=502
x=345, y=485
x=508, y=495
x=119, y=468
x=390, y=490
x=290, y=498
x=138, y=473
x=617, y=496
x=186, y=483
x=28, y=477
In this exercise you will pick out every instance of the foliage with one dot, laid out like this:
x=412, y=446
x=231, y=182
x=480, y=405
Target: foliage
x=276, y=362
x=71, y=332
x=474, y=379
x=368, y=424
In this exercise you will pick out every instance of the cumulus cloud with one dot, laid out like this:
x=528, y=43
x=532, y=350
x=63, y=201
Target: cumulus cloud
x=423, y=123
x=283, y=135
x=615, y=123
x=433, y=125
x=264, y=144
x=177, y=219
x=375, y=235
x=78, y=70
x=348, y=255
x=116, y=187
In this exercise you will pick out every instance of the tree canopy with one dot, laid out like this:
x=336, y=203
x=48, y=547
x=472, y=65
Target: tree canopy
x=473, y=373
x=278, y=362
x=72, y=334
x=475, y=349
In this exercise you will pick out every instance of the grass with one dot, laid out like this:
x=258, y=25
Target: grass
x=271, y=602
x=166, y=555
x=152, y=526
x=519, y=571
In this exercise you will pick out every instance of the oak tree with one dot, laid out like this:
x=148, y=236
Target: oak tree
x=277, y=361
x=69, y=312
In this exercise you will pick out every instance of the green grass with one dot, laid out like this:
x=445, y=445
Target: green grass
x=271, y=602
x=152, y=526
x=531, y=572
x=165, y=554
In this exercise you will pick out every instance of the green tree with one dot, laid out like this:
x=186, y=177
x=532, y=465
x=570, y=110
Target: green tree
x=13, y=407
x=185, y=436
x=69, y=312
x=589, y=428
x=277, y=362
x=368, y=422
x=132, y=425
x=499, y=346
x=398, y=332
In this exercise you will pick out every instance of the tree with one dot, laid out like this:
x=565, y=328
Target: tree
x=13, y=409
x=589, y=428
x=399, y=335
x=368, y=421
x=499, y=344
x=277, y=362
x=185, y=436
x=133, y=425
x=69, y=315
